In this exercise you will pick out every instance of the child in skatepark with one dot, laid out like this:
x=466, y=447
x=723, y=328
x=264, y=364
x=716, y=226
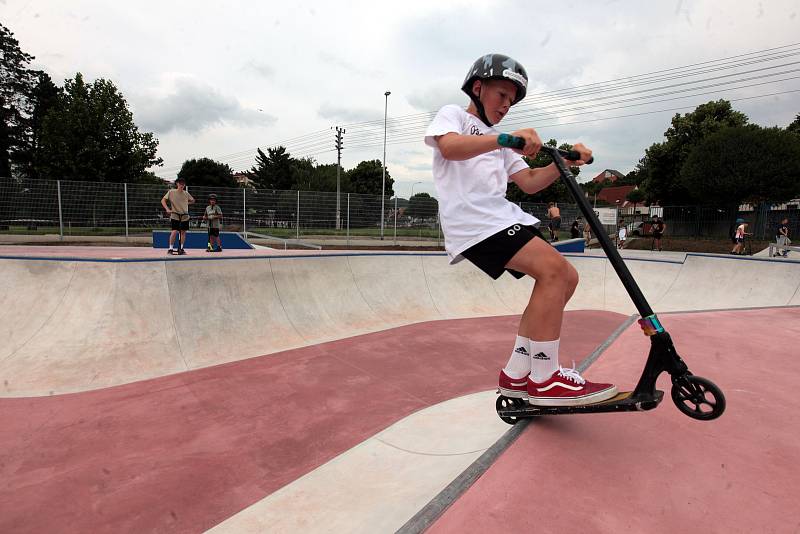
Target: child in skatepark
x=471, y=173
x=213, y=216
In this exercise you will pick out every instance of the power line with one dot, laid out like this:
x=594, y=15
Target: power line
x=412, y=126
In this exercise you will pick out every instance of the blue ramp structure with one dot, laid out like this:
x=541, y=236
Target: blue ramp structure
x=230, y=240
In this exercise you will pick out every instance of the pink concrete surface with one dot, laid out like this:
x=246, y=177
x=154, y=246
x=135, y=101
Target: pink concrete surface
x=184, y=452
x=661, y=471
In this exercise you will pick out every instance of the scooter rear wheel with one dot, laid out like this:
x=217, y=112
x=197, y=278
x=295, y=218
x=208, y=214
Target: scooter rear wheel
x=697, y=397
x=508, y=403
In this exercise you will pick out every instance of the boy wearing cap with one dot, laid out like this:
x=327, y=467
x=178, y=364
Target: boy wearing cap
x=213, y=215
x=178, y=211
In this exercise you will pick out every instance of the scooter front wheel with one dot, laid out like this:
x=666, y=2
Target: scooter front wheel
x=508, y=403
x=697, y=397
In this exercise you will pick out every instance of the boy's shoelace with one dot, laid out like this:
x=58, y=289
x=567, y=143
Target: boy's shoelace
x=571, y=374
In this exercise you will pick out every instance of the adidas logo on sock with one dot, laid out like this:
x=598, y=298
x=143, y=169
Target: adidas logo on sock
x=540, y=356
x=522, y=350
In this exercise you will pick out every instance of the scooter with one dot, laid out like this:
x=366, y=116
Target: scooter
x=697, y=397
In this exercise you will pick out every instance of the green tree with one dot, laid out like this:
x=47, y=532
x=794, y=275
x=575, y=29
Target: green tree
x=273, y=170
x=557, y=192
x=304, y=176
x=794, y=126
x=662, y=162
x=45, y=97
x=90, y=135
x=207, y=172
x=149, y=178
x=421, y=206
x=367, y=179
x=636, y=196
x=17, y=83
x=743, y=164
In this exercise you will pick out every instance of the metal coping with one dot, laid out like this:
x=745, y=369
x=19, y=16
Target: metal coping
x=358, y=254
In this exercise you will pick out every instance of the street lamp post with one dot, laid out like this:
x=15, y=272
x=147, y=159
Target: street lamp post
x=383, y=187
x=412, y=189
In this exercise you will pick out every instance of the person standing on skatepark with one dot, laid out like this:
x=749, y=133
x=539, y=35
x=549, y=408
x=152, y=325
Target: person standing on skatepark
x=213, y=215
x=782, y=237
x=471, y=172
x=178, y=211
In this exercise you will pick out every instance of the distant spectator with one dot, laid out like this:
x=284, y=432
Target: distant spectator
x=178, y=211
x=575, y=229
x=622, y=234
x=782, y=237
x=658, y=231
x=213, y=215
x=555, y=221
x=587, y=232
x=732, y=230
x=741, y=232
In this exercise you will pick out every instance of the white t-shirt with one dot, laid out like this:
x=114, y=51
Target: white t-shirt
x=472, y=193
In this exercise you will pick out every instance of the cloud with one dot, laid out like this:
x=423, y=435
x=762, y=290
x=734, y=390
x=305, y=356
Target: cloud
x=340, y=64
x=434, y=97
x=193, y=106
x=346, y=114
x=259, y=67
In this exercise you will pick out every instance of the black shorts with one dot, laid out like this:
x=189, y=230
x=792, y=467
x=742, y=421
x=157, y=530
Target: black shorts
x=493, y=253
x=555, y=223
x=213, y=232
x=179, y=225
x=657, y=235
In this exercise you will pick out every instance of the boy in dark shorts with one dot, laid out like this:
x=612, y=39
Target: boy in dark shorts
x=658, y=233
x=575, y=229
x=782, y=237
x=554, y=213
x=213, y=215
x=178, y=211
x=471, y=172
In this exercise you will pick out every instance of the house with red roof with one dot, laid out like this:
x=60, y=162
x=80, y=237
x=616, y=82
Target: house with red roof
x=608, y=174
x=615, y=195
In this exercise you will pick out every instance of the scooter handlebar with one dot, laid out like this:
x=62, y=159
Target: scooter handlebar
x=512, y=141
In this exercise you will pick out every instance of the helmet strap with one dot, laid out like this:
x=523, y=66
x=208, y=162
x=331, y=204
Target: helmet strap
x=479, y=106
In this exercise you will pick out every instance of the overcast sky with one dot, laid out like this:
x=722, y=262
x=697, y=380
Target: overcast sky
x=218, y=79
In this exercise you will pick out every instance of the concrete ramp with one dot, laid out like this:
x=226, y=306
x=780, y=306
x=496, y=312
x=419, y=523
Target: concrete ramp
x=71, y=326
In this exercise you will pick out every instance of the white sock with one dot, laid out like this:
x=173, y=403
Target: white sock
x=519, y=365
x=544, y=359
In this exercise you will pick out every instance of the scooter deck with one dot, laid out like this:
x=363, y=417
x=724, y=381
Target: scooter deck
x=622, y=402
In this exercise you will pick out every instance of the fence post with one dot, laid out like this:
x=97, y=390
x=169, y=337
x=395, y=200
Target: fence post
x=125, y=189
x=438, y=230
x=395, y=220
x=297, y=216
x=244, y=212
x=348, y=219
x=60, y=214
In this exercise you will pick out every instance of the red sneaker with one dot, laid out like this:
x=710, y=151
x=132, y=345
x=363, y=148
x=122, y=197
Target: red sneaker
x=516, y=388
x=568, y=388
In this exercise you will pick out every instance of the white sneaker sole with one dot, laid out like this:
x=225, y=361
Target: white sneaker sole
x=513, y=393
x=597, y=396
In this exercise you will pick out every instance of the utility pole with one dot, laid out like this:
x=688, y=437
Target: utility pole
x=383, y=187
x=338, y=145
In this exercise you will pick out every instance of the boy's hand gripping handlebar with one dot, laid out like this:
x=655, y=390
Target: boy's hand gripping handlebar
x=511, y=141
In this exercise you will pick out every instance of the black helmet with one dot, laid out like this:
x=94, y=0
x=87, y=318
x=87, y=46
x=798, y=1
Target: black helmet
x=495, y=67
x=212, y=196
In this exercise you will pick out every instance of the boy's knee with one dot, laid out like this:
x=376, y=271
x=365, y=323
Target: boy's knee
x=572, y=277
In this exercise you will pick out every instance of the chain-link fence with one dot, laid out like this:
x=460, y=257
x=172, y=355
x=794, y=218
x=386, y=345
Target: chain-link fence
x=96, y=208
